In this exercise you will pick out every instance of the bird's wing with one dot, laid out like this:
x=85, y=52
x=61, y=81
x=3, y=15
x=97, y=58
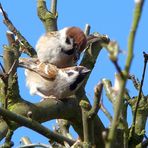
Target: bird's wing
x=47, y=71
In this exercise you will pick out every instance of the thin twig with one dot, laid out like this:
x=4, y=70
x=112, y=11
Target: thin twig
x=85, y=106
x=8, y=142
x=53, y=8
x=5, y=77
x=106, y=112
x=2, y=67
x=29, y=49
x=118, y=69
x=35, y=145
x=139, y=98
x=136, y=83
x=12, y=67
x=63, y=128
x=25, y=140
x=98, y=92
x=119, y=103
x=88, y=115
x=87, y=29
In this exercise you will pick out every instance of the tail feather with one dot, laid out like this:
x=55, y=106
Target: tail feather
x=28, y=63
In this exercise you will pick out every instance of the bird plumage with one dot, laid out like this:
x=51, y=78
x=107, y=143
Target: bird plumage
x=47, y=80
x=61, y=48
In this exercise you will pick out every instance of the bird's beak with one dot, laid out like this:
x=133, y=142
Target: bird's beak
x=85, y=71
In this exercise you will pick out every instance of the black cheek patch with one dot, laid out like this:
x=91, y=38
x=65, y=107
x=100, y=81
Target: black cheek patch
x=70, y=73
x=68, y=41
x=73, y=86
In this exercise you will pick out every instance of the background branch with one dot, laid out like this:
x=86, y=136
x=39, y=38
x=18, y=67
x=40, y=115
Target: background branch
x=54, y=7
x=49, y=19
x=28, y=49
x=138, y=101
x=136, y=18
x=32, y=124
x=106, y=112
x=136, y=83
x=88, y=115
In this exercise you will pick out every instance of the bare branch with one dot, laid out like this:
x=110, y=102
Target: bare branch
x=88, y=129
x=8, y=142
x=136, y=19
x=53, y=8
x=92, y=52
x=87, y=29
x=34, y=125
x=138, y=99
x=98, y=92
x=49, y=19
x=25, y=141
x=29, y=49
x=35, y=145
x=88, y=115
x=136, y=83
x=113, y=49
x=106, y=112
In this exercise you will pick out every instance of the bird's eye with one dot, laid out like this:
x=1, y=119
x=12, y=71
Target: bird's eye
x=67, y=40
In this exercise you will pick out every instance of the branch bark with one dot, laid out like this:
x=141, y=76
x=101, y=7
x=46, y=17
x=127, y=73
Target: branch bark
x=34, y=125
x=136, y=19
x=48, y=18
x=68, y=109
x=28, y=48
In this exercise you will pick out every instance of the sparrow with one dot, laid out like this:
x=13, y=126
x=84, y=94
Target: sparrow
x=61, y=48
x=49, y=81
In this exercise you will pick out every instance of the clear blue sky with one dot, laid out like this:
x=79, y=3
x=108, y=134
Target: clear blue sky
x=106, y=17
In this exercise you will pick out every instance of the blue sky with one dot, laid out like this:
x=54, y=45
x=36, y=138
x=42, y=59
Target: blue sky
x=106, y=17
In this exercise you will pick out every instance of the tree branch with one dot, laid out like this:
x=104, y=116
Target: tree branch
x=92, y=52
x=136, y=83
x=25, y=141
x=49, y=109
x=3, y=129
x=87, y=29
x=113, y=49
x=8, y=143
x=87, y=125
x=49, y=19
x=106, y=112
x=137, y=15
x=138, y=100
x=32, y=124
x=98, y=92
x=53, y=8
x=88, y=115
x=28, y=49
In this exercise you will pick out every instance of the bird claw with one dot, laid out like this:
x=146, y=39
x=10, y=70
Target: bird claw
x=51, y=97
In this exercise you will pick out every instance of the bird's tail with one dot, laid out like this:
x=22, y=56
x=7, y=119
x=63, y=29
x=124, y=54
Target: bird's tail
x=28, y=63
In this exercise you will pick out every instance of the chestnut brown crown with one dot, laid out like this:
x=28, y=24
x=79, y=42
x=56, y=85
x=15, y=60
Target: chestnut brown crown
x=79, y=37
